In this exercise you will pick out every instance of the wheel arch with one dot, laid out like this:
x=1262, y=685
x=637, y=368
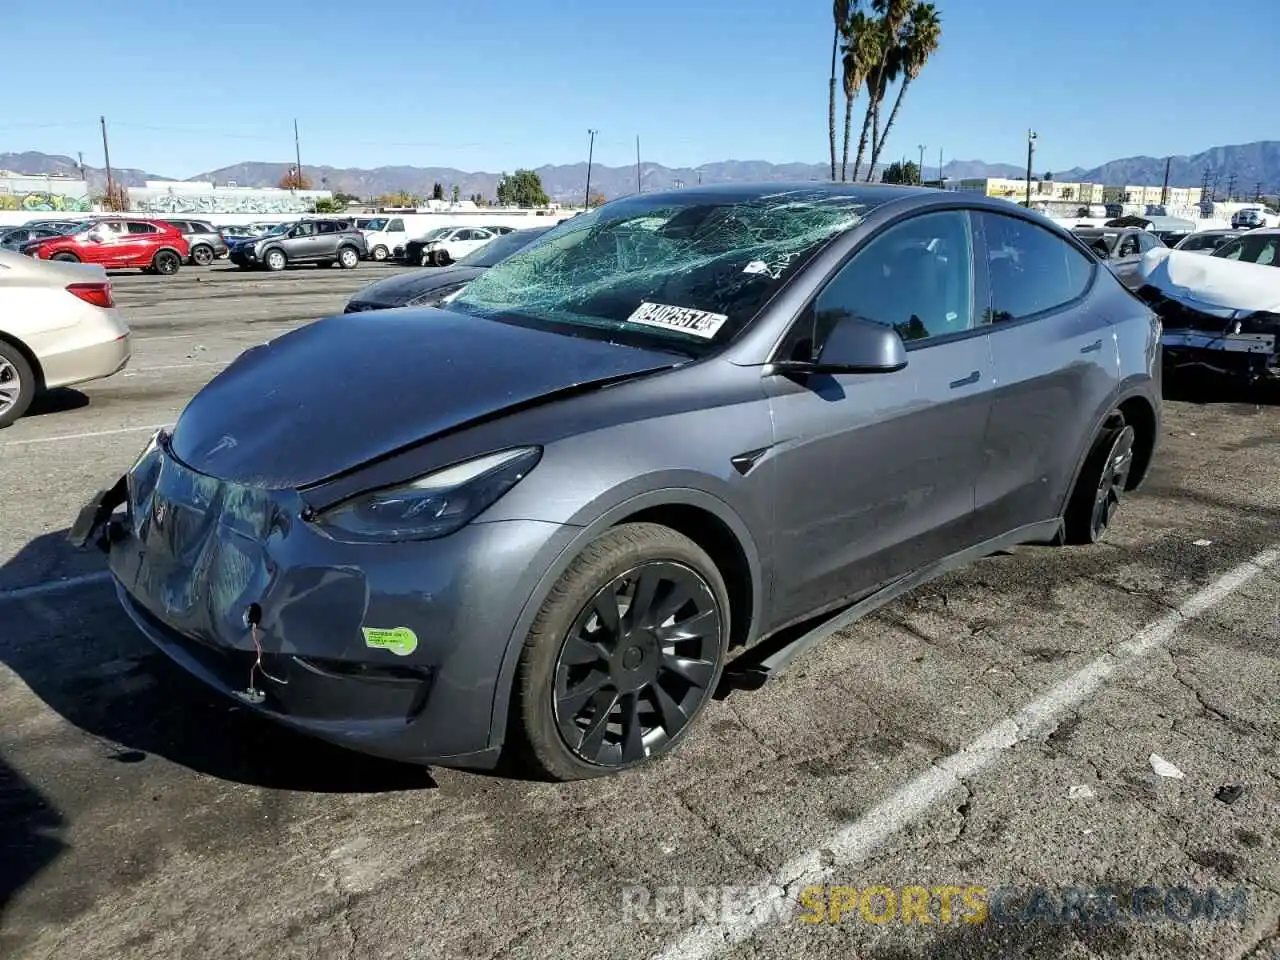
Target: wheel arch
x=27, y=354
x=704, y=518
x=1137, y=409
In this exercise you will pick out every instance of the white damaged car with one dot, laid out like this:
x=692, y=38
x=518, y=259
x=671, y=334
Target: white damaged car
x=1218, y=313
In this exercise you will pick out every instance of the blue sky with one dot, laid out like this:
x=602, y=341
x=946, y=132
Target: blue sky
x=188, y=87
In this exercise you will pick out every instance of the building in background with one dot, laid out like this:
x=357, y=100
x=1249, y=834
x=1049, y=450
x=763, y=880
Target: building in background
x=171, y=197
x=40, y=193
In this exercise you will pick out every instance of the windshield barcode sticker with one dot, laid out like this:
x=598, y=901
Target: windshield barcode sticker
x=700, y=323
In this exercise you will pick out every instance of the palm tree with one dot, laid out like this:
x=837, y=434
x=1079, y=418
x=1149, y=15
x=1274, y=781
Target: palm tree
x=840, y=12
x=858, y=42
x=920, y=39
x=869, y=47
x=884, y=68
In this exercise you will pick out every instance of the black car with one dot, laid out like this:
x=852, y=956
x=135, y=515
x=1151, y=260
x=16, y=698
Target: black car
x=14, y=238
x=428, y=288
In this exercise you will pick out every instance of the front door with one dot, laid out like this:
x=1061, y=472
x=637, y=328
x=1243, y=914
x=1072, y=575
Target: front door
x=876, y=472
x=1056, y=362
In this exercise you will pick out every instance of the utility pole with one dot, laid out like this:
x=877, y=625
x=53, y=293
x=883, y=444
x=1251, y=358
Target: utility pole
x=940, y=168
x=590, y=153
x=1164, y=191
x=638, y=188
x=1204, y=185
x=920, y=172
x=80, y=165
x=1031, y=143
x=297, y=155
x=1257, y=192
x=106, y=157
x=1231, y=188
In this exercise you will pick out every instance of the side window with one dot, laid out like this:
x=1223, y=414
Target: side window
x=142, y=228
x=325, y=226
x=481, y=235
x=916, y=277
x=1147, y=242
x=459, y=235
x=1128, y=245
x=305, y=229
x=1030, y=269
x=395, y=226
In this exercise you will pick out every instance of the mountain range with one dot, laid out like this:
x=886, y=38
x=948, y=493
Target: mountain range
x=1251, y=164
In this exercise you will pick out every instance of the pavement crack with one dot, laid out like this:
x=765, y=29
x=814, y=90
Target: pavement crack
x=750, y=730
x=720, y=834
x=1205, y=707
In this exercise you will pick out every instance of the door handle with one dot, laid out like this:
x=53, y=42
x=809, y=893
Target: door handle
x=965, y=381
x=1096, y=345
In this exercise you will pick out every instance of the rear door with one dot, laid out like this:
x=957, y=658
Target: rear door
x=876, y=472
x=141, y=243
x=1056, y=363
x=328, y=233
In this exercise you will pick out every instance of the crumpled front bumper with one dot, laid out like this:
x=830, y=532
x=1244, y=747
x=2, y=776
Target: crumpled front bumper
x=1240, y=344
x=389, y=649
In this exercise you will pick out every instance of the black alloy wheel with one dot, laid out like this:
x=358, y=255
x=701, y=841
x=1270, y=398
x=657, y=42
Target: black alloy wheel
x=166, y=263
x=638, y=663
x=1112, y=482
x=202, y=255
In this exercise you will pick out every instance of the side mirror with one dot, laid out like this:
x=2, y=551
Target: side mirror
x=855, y=346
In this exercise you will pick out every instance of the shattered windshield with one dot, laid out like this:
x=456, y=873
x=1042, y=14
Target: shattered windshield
x=690, y=272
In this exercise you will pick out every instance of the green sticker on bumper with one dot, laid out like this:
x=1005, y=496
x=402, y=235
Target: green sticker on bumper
x=398, y=640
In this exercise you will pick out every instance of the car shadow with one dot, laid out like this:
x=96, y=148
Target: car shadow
x=82, y=656
x=57, y=400
x=1206, y=388
x=29, y=840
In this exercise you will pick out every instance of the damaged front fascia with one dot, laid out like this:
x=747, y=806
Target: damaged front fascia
x=1218, y=339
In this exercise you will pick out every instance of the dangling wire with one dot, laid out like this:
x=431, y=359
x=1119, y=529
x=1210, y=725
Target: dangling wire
x=257, y=663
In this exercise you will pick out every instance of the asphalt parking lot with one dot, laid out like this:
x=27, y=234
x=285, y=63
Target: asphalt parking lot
x=992, y=733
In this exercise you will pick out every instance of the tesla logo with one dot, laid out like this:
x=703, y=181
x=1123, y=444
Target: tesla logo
x=226, y=443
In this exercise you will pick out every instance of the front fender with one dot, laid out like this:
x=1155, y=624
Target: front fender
x=560, y=557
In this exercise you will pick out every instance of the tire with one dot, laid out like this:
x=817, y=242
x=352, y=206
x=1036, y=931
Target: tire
x=348, y=258
x=17, y=384
x=202, y=254
x=166, y=263
x=65, y=257
x=379, y=253
x=425, y=259
x=275, y=260
x=1101, y=485
x=557, y=722
x=441, y=258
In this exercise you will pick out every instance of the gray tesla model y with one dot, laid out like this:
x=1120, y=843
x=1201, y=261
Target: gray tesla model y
x=540, y=520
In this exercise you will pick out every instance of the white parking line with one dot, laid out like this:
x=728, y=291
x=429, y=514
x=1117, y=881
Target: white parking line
x=52, y=586
x=176, y=366
x=860, y=840
x=84, y=436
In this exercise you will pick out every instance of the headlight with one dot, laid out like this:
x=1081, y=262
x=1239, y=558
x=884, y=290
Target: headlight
x=144, y=473
x=431, y=296
x=432, y=506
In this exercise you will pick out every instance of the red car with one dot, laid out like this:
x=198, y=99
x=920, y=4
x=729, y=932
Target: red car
x=117, y=243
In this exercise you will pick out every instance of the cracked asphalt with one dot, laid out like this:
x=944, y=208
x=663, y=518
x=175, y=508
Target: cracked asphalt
x=142, y=816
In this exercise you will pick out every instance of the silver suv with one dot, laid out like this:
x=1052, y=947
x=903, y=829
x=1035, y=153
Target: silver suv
x=206, y=242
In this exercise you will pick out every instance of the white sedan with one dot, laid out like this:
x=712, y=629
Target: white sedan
x=444, y=245
x=58, y=326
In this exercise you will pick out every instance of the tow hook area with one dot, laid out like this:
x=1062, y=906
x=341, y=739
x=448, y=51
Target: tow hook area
x=252, y=694
x=94, y=521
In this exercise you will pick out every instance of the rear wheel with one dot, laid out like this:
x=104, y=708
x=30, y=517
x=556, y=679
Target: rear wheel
x=1101, y=484
x=349, y=258
x=166, y=263
x=17, y=384
x=66, y=257
x=202, y=254
x=624, y=654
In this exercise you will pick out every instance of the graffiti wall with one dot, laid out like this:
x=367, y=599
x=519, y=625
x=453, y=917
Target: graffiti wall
x=142, y=200
x=41, y=201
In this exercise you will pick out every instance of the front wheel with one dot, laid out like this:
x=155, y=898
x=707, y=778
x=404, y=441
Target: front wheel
x=624, y=654
x=166, y=263
x=275, y=260
x=380, y=253
x=1102, y=482
x=348, y=258
x=441, y=258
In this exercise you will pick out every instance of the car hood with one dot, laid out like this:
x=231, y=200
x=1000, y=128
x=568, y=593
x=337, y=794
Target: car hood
x=403, y=287
x=330, y=396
